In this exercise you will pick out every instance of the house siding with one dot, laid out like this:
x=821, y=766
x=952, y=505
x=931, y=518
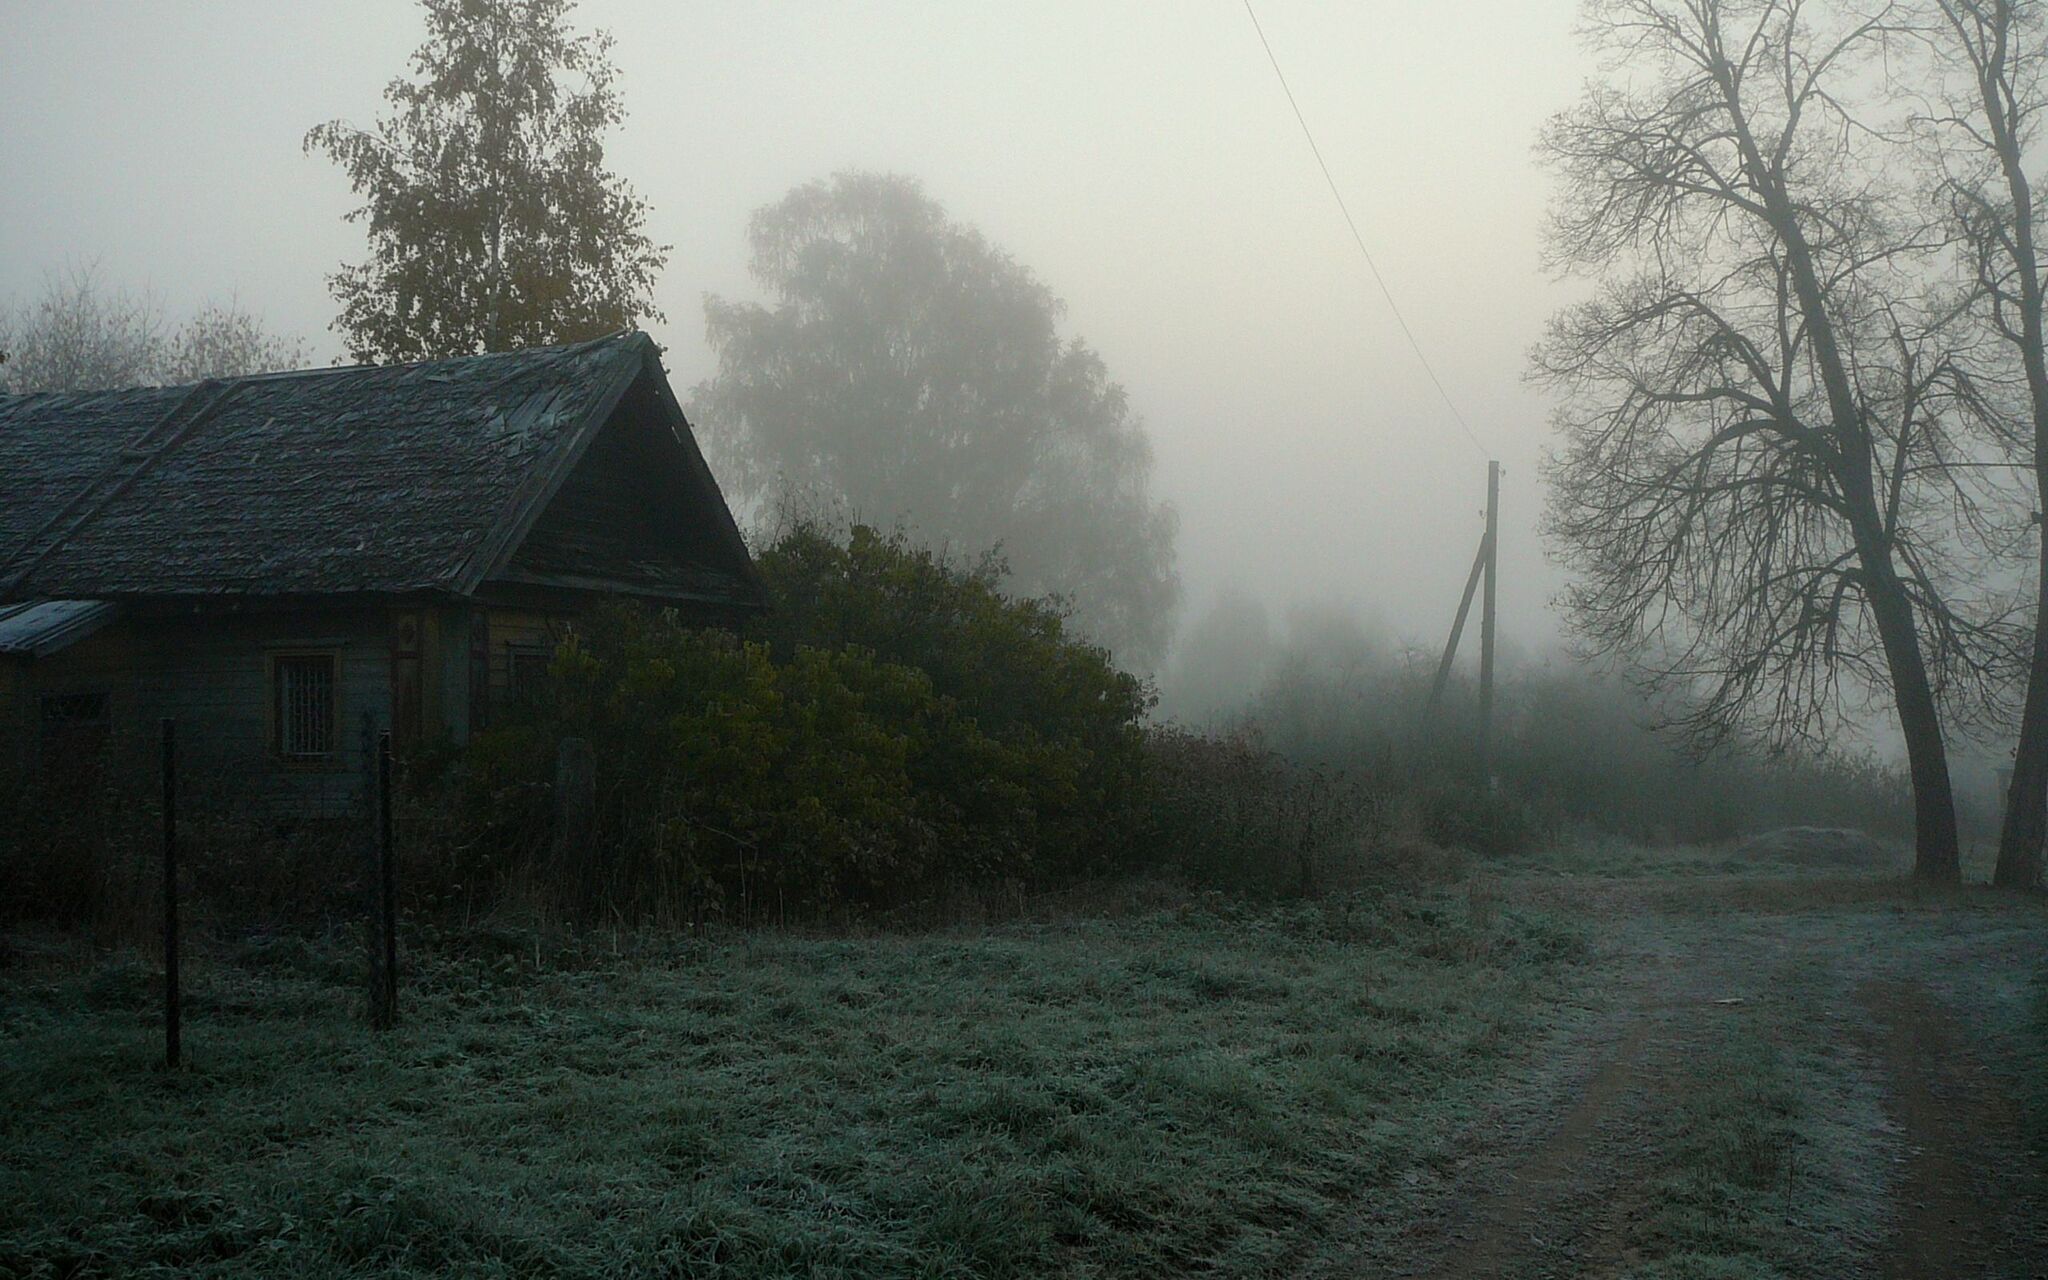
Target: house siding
x=211, y=674
x=521, y=631
x=618, y=515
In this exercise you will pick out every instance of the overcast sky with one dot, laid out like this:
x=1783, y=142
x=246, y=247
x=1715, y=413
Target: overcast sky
x=1140, y=157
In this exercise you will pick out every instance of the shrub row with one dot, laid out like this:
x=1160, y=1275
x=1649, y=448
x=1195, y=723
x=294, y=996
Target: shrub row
x=1227, y=813
x=1572, y=749
x=893, y=728
x=84, y=850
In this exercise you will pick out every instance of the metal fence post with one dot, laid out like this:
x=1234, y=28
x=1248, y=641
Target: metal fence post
x=173, y=1012
x=384, y=981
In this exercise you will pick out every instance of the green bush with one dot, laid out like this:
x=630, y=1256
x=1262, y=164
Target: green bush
x=1009, y=666
x=892, y=729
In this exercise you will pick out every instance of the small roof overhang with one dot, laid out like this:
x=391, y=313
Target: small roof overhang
x=39, y=628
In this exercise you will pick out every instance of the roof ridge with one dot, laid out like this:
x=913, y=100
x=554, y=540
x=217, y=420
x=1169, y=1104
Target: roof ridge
x=321, y=371
x=548, y=349
x=514, y=522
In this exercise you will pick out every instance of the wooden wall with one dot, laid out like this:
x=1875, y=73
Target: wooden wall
x=626, y=515
x=14, y=727
x=212, y=675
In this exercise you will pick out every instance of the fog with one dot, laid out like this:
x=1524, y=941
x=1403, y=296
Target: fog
x=1140, y=158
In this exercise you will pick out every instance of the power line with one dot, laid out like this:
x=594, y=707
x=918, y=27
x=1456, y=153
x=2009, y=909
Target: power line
x=1349, y=221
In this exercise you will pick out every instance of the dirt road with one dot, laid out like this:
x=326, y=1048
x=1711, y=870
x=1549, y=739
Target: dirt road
x=1764, y=1077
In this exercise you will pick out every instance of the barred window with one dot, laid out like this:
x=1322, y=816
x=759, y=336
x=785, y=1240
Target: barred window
x=302, y=717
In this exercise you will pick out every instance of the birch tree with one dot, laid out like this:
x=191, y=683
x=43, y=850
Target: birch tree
x=493, y=222
x=906, y=369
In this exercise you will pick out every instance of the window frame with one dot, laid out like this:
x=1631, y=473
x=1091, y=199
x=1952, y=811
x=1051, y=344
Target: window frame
x=334, y=758
x=527, y=653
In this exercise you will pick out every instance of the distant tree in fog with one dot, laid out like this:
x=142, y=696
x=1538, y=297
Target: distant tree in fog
x=1761, y=406
x=79, y=335
x=910, y=370
x=493, y=222
x=227, y=342
x=1337, y=691
x=1220, y=660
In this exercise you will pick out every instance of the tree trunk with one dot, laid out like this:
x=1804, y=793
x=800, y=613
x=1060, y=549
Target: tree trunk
x=1937, y=853
x=2026, y=800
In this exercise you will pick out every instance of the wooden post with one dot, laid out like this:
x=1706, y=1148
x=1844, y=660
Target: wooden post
x=1443, y=667
x=1486, y=629
x=384, y=998
x=173, y=1011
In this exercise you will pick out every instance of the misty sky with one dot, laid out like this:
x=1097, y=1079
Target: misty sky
x=1140, y=157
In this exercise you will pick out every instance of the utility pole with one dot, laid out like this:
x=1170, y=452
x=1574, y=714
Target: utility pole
x=1484, y=568
x=1486, y=628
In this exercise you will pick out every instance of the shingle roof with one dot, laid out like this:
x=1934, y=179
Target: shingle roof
x=373, y=479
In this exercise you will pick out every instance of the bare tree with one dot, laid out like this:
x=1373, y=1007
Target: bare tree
x=1757, y=483
x=80, y=335
x=1982, y=127
x=224, y=341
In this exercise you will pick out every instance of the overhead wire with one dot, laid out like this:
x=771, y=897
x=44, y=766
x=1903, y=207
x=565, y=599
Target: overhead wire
x=1359, y=239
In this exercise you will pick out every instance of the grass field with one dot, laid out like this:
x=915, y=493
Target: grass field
x=1197, y=1089
x=1604, y=1062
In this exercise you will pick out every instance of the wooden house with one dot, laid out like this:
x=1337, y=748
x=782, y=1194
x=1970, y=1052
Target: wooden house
x=291, y=563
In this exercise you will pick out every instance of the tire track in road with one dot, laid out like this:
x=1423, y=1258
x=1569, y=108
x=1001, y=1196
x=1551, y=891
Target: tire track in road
x=1521, y=1219
x=1955, y=1182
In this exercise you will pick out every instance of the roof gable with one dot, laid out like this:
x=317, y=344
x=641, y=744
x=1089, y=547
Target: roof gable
x=369, y=480
x=640, y=512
